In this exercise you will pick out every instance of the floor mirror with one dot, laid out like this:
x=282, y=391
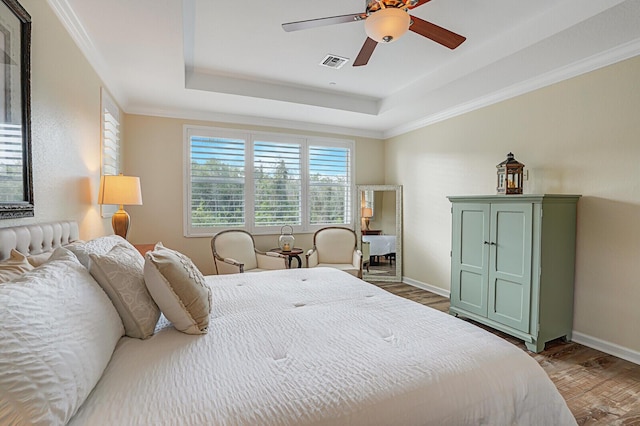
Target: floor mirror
x=380, y=231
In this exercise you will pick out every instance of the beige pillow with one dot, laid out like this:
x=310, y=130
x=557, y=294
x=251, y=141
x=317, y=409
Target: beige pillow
x=16, y=265
x=178, y=288
x=38, y=259
x=120, y=274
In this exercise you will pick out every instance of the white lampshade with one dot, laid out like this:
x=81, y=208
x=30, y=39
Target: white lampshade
x=387, y=25
x=367, y=212
x=121, y=190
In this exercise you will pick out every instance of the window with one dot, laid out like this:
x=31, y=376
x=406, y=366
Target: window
x=263, y=181
x=111, y=149
x=11, y=163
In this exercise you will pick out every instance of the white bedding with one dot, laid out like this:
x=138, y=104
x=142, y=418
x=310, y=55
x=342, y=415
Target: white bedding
x=380, y=245
x=317, y=346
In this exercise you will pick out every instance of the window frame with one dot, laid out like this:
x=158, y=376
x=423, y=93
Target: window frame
x=250, y=137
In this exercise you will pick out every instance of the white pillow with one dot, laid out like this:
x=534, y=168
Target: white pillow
x=120, y=274
x=58, y=332
x=178, y=288
x=99, y=246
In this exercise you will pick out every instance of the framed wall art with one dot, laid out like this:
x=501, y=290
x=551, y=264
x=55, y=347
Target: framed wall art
x=16, y=182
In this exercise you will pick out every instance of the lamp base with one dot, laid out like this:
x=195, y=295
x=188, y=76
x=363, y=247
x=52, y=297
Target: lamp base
x=366, y=223
x=120, y=223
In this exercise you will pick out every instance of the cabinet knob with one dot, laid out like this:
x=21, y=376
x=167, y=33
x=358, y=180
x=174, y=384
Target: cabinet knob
x=490, y=243
x=493, y=244
x=486, y=242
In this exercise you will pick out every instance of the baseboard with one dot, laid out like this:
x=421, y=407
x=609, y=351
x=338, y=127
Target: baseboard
x=607, y=347
x=433, y=289
x=581, y=338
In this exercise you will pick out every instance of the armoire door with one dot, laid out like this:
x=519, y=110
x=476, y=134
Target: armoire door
x=510, y=264
x=469, y=257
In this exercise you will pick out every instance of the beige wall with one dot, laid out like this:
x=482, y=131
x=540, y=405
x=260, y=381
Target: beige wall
x=65, y=120
x=581, y=136
x=154, y=151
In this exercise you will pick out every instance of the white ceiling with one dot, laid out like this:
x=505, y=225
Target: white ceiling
x=233, y=62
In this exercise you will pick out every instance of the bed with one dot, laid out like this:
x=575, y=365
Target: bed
x=292, y=347
x=381, y=245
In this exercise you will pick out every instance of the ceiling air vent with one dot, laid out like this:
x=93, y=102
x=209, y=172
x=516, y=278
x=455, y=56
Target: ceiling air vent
x=333, y=61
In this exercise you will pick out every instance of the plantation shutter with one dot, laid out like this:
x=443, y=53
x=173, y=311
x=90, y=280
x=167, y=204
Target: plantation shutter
x=11, y=163
x=110, y=136
x=262, y=181
x=329, y=185
x=111, y=144
x=217, y=182
x=277, y=183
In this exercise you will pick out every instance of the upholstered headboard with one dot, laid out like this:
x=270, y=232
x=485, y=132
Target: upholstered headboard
x=36, y=239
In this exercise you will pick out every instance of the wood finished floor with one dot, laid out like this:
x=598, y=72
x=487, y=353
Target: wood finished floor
x=600, y=389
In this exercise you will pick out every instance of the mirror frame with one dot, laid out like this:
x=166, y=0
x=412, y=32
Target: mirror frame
x=398, y=195
x=24, y=208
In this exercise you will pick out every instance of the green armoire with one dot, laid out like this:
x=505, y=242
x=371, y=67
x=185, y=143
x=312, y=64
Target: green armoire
x=513, y=263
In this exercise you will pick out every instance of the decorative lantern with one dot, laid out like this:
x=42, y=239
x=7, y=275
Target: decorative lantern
x=286, y=240
x=510, y=173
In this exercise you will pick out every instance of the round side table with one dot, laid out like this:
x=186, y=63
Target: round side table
x=294, y=253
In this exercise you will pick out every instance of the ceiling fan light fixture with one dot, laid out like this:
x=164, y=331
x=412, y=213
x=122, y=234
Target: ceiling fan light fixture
x=387, y=25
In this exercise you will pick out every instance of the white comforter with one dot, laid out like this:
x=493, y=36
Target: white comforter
x=317, y=346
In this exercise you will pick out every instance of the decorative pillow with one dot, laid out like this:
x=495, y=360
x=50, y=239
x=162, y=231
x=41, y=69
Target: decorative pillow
x=58, y=332
x=38, y=259
x=99, y=246
x=120, y=273
x=16, y=265
x=178, y=288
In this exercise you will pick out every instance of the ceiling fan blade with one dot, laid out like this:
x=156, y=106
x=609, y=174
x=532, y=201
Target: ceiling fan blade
x=320, y=22
x=365, y=53
x=419, y=3
x=438, y=34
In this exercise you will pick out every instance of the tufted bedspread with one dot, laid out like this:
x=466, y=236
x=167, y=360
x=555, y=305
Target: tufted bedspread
x=318, y=346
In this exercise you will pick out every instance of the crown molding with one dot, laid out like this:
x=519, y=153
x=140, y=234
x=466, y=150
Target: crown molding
x=65, y=13
x=592, y=63
x=79, y=35
x=257, y=121
x=70, y=21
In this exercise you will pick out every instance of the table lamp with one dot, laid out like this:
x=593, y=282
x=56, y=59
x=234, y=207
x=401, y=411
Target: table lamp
x=367, y=213
x=120, y=190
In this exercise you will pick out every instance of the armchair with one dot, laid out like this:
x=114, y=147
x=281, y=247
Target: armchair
x=234, y=251
x=336, y=247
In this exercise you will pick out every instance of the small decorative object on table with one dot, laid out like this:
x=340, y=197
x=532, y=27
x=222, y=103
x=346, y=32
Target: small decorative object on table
x=286, y=240
x=510, y=173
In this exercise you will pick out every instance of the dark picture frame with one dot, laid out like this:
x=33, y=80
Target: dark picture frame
x=16, y=180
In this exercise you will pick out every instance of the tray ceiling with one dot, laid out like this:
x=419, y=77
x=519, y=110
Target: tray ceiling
x=232, y=61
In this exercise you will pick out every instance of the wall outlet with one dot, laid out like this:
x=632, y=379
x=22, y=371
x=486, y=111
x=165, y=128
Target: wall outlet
x=526, y=174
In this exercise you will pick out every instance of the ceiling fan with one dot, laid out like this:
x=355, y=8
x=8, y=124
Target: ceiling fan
x=385, y=21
